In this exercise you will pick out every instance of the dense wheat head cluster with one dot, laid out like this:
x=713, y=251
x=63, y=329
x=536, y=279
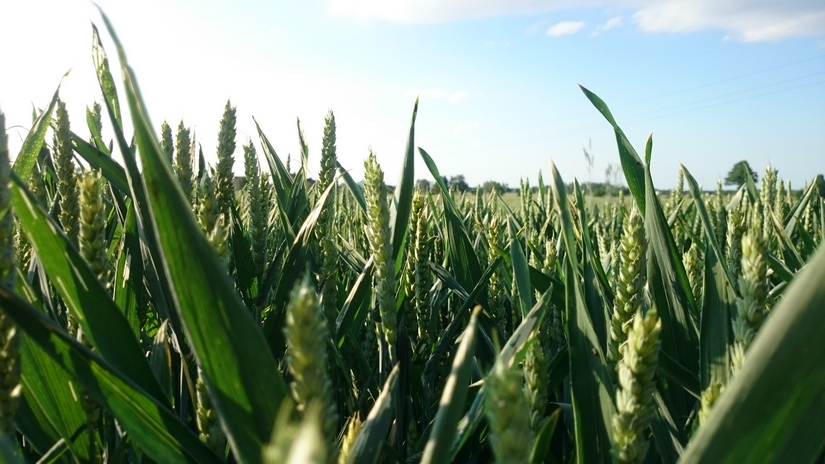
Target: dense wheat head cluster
x=155, y=308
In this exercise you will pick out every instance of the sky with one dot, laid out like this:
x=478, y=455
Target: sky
x=498, y=80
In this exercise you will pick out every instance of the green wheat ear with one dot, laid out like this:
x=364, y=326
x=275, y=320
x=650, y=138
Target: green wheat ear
x=635, y=406
x=184, y=151
x=537, y=377
x=66, y=176
x=694, y=268
x=255, y=207
x=10, y=386
x=211, y=220
x=508, y=414
x=750, y=309
x=92, y=222
x=324, y=230
x=629, y=289
x=353, y=428
x=297, y=442
x=378, y=235
x=166, y=145
x=307, y=334
x=418, y=274
x=224, y=176
x=209, y=427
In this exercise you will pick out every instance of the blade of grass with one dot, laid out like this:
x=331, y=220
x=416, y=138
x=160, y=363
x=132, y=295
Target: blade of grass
x=105, y=79
x=242, y=377
x=101, y=320
x=515, y=345
x=462, y=254
x=631, y=163
x=153, y=426
x=48, y=389
x=367, y=447
x=112, y=171
x=520, y=270
x=27, y=158
x=403, y=196
x=353, y=186
x=294, y=264
x=717, y=312
x=453, y=396
x=591, y=389
x=596, y=287
x=710, y=234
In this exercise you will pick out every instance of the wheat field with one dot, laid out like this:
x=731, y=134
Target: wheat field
x=150, y=311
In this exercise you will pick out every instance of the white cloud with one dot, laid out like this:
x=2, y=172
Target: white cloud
x=745, y=20
x=565, y=28
x=615, y=21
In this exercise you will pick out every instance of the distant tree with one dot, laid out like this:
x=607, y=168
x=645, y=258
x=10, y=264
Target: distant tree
x=458, y=183
x=493, y=186
x=739, y=173
x=422, y=184
x=820, y=185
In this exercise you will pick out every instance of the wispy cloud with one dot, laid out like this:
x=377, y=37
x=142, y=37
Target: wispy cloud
x=565, y=28
x=744, y=20
x=615, y=21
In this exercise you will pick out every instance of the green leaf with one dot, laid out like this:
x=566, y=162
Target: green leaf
x=356, y=306
x=94, y=132
x=49, y=390
x=670, y=292
x=792, y=258
x=105, y=79
x=353, y=186
x=154, y=427
x=591, y=388
x=403, y=195
x=127, y=288
x=515, y=345
x=27, y=158
x=293, y=267
x=773, y=409
x=281, y=179
x=112, y=171
x=631, y=163
x=451, y=406
x=367, y=447
x=667, y=436
x=799, y=210
x=242, y=377
x=541, y=445
x=679, y=374
x=710, y=234
x=467, y=269
x=520, y=269
x=717, y=310
x=595, y=281
x=102, y=322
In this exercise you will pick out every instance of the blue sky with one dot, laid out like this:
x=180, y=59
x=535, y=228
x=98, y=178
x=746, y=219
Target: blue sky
x=714, y=82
